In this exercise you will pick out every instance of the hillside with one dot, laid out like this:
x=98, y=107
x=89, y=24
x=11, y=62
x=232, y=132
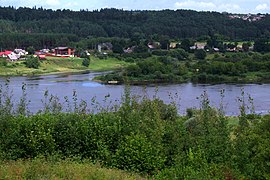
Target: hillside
x=46, y=27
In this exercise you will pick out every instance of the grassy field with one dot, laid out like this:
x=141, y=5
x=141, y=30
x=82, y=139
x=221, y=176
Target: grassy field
x=106, y=64
x=54, y=65
x=41, y=169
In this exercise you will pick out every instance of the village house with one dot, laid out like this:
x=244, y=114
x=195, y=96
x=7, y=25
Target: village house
x=10, y=55
x=105, y=46
x=5, y=53
x=40, y=54
x=14, y=57
x=64, y=52
x=173, y=45
x=129, y=49
x=198, y=46
x=153, y=46
x=21, y=52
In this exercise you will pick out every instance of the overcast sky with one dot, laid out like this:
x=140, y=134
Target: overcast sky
x=234, y=6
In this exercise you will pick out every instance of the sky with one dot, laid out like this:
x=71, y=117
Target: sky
x=232, y=6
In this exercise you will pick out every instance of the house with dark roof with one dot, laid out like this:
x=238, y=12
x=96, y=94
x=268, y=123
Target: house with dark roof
x=64, y=52
x=153, y=46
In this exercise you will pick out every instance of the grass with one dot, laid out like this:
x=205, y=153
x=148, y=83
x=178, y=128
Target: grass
x=53, y=65
x=106, y=64
x=66, y=169
x=233, y=121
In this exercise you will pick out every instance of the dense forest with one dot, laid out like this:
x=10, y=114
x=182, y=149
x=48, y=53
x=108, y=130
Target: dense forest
x=45, y=27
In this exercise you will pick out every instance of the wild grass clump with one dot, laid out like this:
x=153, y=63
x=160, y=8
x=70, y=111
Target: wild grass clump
x=40, y=168
x=143, y=135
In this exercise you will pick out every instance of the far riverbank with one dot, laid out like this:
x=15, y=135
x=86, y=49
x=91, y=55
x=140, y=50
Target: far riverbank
x=52, y=66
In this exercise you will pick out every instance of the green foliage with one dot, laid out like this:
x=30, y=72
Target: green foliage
x=31, y=50
x=160, y=52
x=164, y=42
x=3, y=62
x=117, y=48
x=138, y=154
x=50, y=28
x=246, y=46
x=229, y=67
x=53, y=168
x=86, y=62
x=133, y=70
x=141, y=48
x=179, y=54
x=200, y=54
x=262, y=45
x=32, y=62
x=186, y=44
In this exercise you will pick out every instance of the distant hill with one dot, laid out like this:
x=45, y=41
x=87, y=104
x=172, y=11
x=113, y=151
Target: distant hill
x=177, y=24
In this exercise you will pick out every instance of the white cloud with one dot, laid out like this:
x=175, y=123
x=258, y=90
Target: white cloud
x=229, y=8
x=53, y=2
x=71, y=4
x=208, y=6
x=262, y=7
x=197, y=5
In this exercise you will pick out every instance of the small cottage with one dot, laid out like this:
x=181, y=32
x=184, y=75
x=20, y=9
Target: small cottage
x=64, y=52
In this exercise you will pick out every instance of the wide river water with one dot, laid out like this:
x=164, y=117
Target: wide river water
x=185, y=95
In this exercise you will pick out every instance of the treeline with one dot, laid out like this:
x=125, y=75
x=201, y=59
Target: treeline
x=177, y=24
x=144, y=136
x=36, y=40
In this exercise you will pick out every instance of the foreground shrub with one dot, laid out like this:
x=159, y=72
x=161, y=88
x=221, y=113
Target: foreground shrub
x=136, y=153
x=141, y=135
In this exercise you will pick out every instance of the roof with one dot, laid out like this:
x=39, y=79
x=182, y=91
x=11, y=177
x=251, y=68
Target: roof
x=42, y=56
x=62, y=48
x=13, y=56
x=5, y=53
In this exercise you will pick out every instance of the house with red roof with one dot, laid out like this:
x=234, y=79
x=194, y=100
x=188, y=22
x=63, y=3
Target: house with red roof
x=5, y=53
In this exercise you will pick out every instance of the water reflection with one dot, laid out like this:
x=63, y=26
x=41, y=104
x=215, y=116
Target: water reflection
x=92, y=84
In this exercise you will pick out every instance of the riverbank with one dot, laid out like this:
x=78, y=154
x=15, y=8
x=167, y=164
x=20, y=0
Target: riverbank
x=54, y=65
x=195, y=78
x=229, y=68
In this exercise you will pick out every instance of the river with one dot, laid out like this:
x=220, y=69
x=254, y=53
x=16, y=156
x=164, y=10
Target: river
x=185, y=95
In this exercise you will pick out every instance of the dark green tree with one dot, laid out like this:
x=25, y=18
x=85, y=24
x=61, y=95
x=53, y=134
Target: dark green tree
x=164, y=42
x=86, y=62
x=186, y=44
x=180, y=54
x=141, y=48
x=31, y=50
x=245, y=47
x=200, y=54
x=32, y=62
x=117, y=48
x=262, y=45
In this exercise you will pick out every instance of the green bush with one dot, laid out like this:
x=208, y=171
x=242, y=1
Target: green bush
x=86, y=62
x=200, y=54
x=136, y=153
x=32, y=62
x=160, y=52
x=3, y=62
